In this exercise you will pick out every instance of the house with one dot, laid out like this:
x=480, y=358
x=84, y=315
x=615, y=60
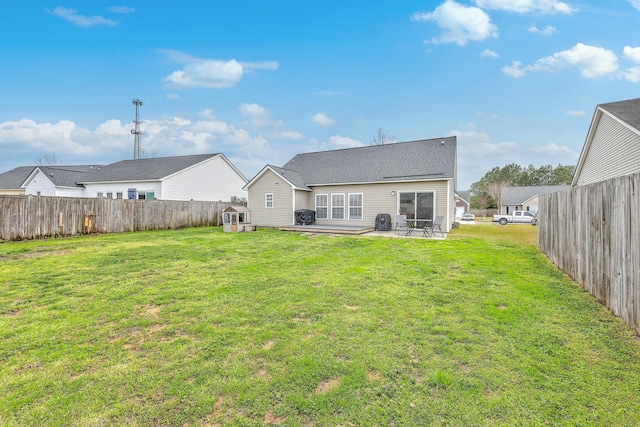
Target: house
x=463, y=202
x=525, y=198
x=11, y=181
x=612, y=147
x=350, y=187
x=197, y=177
x=61, y=181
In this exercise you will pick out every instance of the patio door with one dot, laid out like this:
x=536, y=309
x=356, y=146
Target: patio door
x=417, y=206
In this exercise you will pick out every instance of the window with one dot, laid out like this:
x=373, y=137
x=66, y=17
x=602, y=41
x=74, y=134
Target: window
x=142, y=196
x=337, y=206
x=100, y=195
x=417, y=206
x=151, y=195
x=268, y=200
x=355, y=206
x=119, y=195
x=109, y=195
x=322, y=206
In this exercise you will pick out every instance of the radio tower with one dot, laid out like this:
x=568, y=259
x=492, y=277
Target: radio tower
x=136, y=131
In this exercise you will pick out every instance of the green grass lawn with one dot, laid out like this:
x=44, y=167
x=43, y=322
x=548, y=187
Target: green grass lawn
x=203, y=328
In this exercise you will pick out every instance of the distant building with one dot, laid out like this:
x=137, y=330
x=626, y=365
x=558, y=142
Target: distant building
x=196, y=177
x=525, y=198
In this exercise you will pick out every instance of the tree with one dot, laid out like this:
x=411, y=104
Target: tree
x=48, y=159
x=488, y=191
x=383, y=137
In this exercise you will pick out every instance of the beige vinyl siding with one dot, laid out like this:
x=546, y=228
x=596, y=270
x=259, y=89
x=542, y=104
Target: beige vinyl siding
x=377, y=198
x=302, y=200
x=614, y=151
x=282, y=212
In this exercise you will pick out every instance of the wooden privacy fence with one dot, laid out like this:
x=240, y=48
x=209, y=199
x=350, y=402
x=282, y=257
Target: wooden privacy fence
x=592, y=233
x=33, y=217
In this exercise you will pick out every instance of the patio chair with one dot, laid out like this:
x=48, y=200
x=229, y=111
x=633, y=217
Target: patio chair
x=401, y=224
x=431, y=227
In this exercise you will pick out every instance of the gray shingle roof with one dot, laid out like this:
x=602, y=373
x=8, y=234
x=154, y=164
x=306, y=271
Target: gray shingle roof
x=292, y=176
x=519, y=195
x=68, y=176
x=145, y=169
x=13, y=179
x=628, y=111
x=465, y=195
x=402, y=161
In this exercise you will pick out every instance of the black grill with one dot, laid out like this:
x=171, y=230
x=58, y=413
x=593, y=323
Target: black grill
x=383, y=222
x=305, y=217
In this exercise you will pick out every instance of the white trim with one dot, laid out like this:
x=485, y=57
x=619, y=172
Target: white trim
x=325, y=206
x=266, y=201
x=343, y=206
x=361, y=206
x=442, y=178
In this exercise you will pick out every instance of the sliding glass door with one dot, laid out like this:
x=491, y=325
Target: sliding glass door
x=417, y=206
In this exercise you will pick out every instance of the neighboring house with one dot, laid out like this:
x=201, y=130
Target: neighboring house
x=525, y=198
x=463, y=202
x=11, y=181
x=197, y=177
x=612, y=147
x=208, y=177
x=350, y=187
x=59, y=181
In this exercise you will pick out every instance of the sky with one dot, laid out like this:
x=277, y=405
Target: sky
x=517, y=81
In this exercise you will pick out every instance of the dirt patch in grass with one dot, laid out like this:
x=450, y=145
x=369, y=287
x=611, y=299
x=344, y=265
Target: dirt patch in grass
x=350, y=307
x=269, y=418
x=268, y=345
x=327, y=385
x=374, y=376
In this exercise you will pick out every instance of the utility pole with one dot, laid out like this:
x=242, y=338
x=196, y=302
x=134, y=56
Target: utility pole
x=136, y=131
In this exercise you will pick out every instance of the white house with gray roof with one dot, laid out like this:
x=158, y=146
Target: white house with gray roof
x=350, y=187
x=525, y=198
x=612, y=146
x=198, y=177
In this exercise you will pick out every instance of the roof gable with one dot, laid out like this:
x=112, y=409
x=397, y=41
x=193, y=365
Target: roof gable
x=422, y=160
x=626, y=112
x=151, y=169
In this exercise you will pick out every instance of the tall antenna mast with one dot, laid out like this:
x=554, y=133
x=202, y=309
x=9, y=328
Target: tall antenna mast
x=136, y=131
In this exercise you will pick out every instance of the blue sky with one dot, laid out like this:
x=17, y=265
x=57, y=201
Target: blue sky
x=515, y=80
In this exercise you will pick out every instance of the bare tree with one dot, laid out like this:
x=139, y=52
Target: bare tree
x=48, y=159
x=494, y=190
x=383, y=137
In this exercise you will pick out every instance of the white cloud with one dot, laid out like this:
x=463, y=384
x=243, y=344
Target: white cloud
x=576, y=112
x=344, y=142
x=459, y=23
x=488, y=53
x=635, y=3
x=72, y=16
x=546, y=31
x=591, y=61
x=555, y=150
x=471, y=136
x=121, y=9
x=526, y=6
x=210, y=73
x=632, y=53
x=322, y=119
x=514, y=70
x=287, y=135
x=207, y=73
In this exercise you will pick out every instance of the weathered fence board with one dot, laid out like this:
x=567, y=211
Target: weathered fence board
x=592, y=233
x=33, y=217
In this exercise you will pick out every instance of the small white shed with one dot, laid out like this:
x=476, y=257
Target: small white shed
x=237, y=218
